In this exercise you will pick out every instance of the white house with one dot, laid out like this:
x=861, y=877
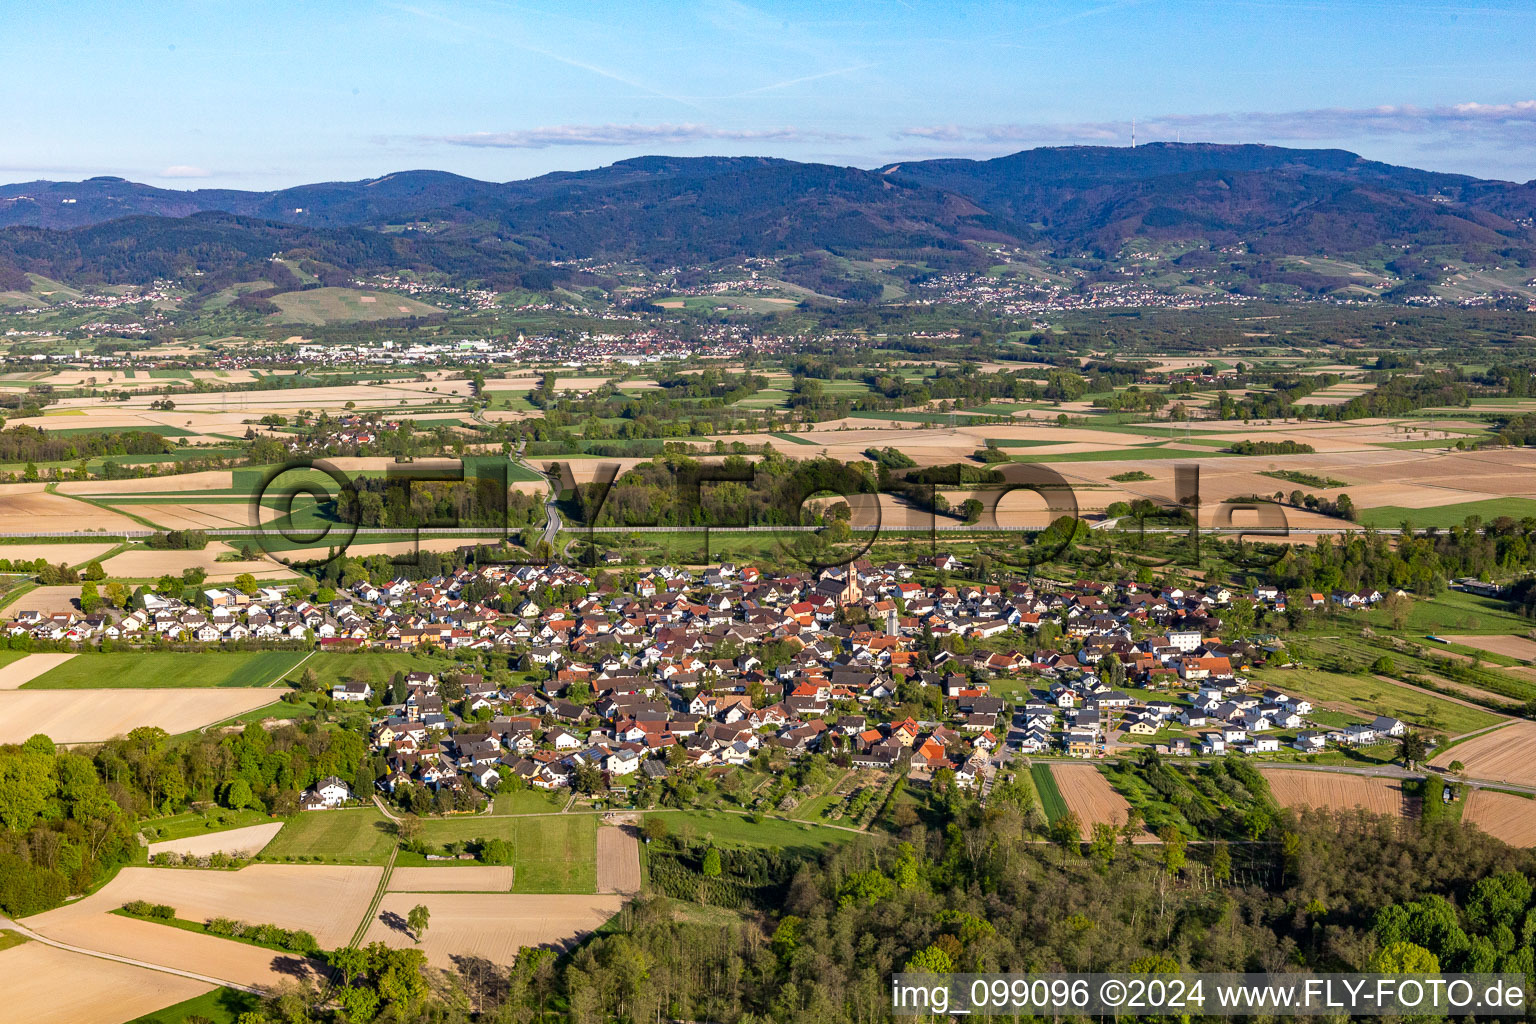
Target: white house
x=328, y=792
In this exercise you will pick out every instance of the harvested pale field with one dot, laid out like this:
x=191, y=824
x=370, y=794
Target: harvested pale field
x=193, y=515
x=326, y=900
x=46, y=985
x=147, y=564
x=1509, y=646
x=243, y=842
x=209, y=480
x=1503, y=755
x=91, y=716
x=69, y=554
x=91, y=928
x=12, y=676
x=1505, y=816
x=492, y=927
x=1089, y=795
x=470, y=878
x=48, y=600
x=1334, y=791
x=37, y=512
x=618, y=859
x=220, y=411
x=399, y=547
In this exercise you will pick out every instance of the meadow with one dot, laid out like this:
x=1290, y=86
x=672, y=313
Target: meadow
x=153, y=669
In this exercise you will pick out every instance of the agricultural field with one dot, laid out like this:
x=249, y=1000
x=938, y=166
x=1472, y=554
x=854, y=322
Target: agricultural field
x=90, y=924
x=18, y=669
x=344, y=305
x=1510, y=817
x=1517, y=647
x=1503, y=755
x=237, y=842
x=328, y=901
x=170, y=669
x=725, y=829
x=1335, y=791
x=351, y=836
x=453, y=878
x=1089, y=795
x=618, y=859
x=1051, y=801
x=490, y=926
x=91, y=715
x=48, y=985
x=553, y=853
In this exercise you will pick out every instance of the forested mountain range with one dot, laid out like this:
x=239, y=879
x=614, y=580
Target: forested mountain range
x=668, y=211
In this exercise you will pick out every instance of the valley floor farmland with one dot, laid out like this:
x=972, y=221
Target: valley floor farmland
x=244, y=842
x=1334, y=791
x=326, y=900
x=17, y=674
x=618, y=859
x=47, y=985
x=145, y=669
x=1504, y=755
x=1505, y=816
x=89, y=716
x=488, y=925
x=1088, y=795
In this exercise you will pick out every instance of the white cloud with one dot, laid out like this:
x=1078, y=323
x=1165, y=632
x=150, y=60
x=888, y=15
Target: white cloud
x=631, y=135
x=1508, y=123
x=185, y=171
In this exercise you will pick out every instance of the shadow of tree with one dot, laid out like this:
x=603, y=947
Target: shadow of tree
x=485, y=981
x=395, y=922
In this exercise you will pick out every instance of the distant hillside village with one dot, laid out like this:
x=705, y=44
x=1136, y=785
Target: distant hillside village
x=677, y=668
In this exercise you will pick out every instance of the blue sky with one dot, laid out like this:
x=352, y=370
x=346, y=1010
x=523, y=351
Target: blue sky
x=261, y=95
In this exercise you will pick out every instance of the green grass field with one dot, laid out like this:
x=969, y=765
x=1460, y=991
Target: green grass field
x=737, y=830
x=354, y=836
x=1051, y=801
x=375, y=668
x=337, y=305
x=9, y=938
x=1455, y=611
x=528, y=801
x=510, y=401
x=192, y=823
x=551, y=853
x=1374, y=696
x=168, y=669
x=793, y=438
x=221, y=1006
x=1446, y=516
